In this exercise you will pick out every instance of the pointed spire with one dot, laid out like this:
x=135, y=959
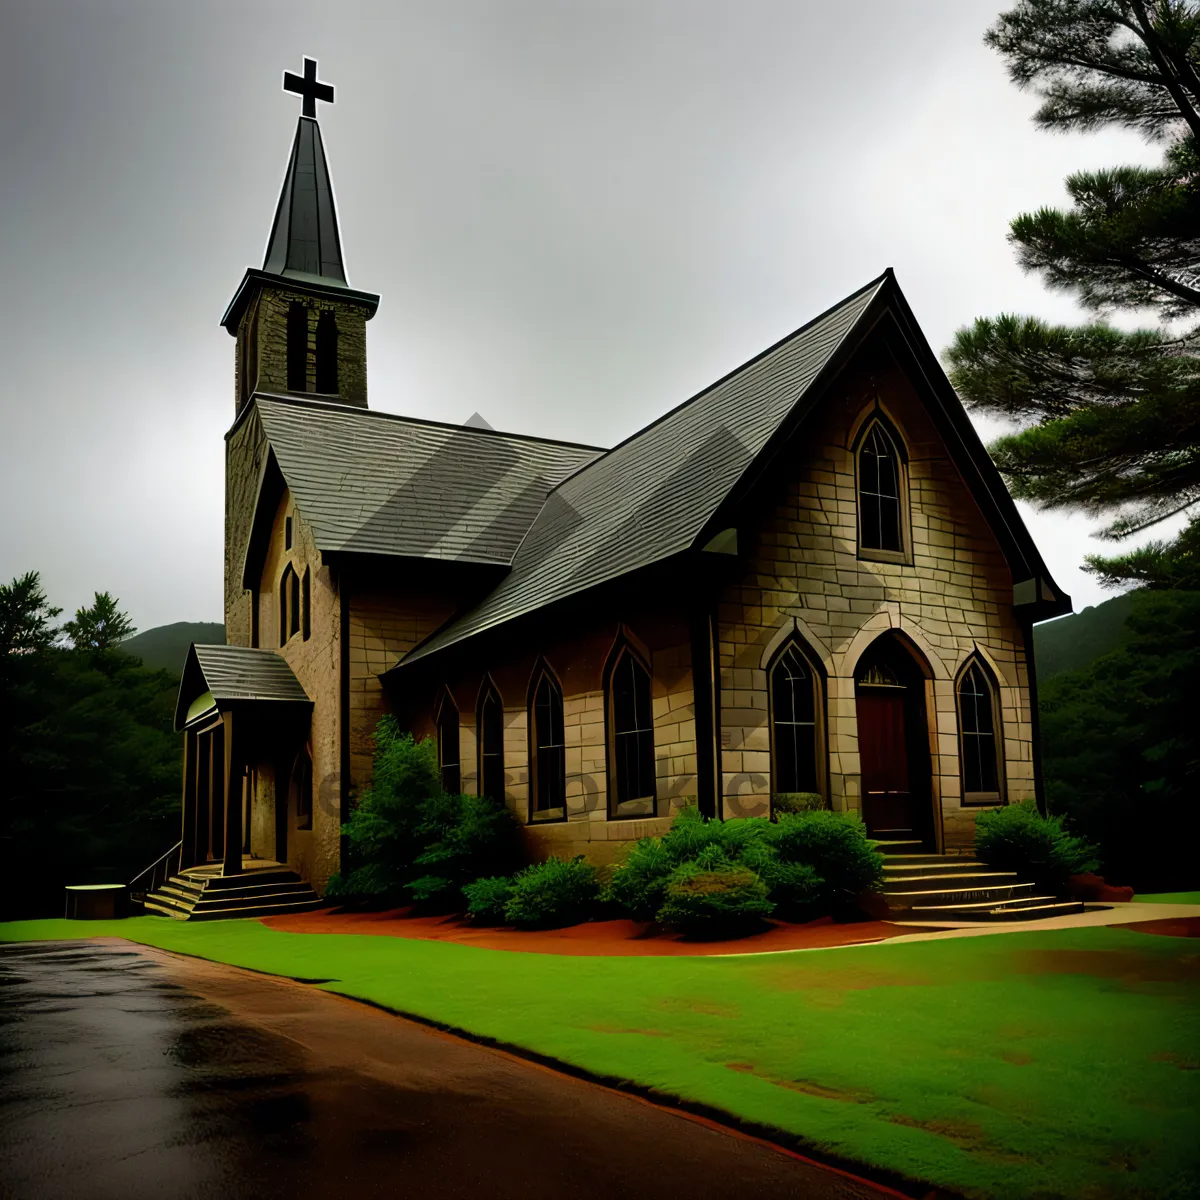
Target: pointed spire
x=305, y=243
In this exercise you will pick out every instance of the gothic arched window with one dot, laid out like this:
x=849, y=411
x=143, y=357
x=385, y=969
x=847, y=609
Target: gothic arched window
x=979, y=735
x=881, y=492
x=289, y=604
x=549, y=758
x=797, y=723
x=297, y=347
x=327, y=349
x=632, y=783
x=491, y=743
x=447, y=745
x=306, y=603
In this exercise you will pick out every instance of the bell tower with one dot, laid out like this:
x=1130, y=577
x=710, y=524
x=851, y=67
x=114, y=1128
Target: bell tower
x=300, y=327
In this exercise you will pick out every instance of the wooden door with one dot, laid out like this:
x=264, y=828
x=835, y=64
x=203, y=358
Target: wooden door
x=883, y=759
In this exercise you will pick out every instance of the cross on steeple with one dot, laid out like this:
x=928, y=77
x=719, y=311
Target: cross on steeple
x=308, y=87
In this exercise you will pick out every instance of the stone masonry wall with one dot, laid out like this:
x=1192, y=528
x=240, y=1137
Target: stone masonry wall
x=802, y=572
x=245, y=452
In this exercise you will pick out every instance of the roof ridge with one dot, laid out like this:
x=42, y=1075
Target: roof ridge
x=339, y=406
x=637, y=433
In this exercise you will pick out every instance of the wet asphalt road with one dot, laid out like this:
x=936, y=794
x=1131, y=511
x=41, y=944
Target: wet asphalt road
x=130, y=1073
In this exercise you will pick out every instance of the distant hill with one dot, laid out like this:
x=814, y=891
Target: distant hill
x=1072, y=642
x=165, y=647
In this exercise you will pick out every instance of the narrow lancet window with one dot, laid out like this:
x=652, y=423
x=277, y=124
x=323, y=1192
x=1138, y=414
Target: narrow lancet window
x=297, y=347
x=795, y=723
x=977, y=723
x=880, y=500
x=550, y=754
x=306, y=603
x=491, y=745
x=631, y=720
x=327, y=351
x=447, y=742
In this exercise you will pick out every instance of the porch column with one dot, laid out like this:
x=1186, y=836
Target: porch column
x=187, y=850
x=233, y=799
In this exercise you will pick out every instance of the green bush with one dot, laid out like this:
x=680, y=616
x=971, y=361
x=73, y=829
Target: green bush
x=486, y=898
x=1039, y=849
x=552, y=893
x=410, y=840
x=836, y=847
x=795, y=888
x=711, y=894
x=638, y=885
x=795, y=802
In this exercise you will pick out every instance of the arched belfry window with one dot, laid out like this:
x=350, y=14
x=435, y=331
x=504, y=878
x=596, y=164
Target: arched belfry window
x=632, y=783
x=979, y=735
x=447, y=745
x=327, y=349
x=797, y=723
x=297, y=347
x=547, y=735
x=882, y=493
x=490, y=719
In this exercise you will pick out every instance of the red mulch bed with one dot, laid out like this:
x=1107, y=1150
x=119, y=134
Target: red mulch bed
x=596, y=938
x=1168, y=926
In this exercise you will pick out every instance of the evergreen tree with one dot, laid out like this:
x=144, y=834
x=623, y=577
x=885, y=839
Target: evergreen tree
x=100, y=627
x=1108, y=421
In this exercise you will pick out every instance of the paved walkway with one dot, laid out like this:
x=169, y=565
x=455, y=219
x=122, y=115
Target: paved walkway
x=127, y=1072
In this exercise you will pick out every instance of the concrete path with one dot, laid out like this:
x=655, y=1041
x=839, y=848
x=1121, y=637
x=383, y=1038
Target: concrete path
x=127, y=1072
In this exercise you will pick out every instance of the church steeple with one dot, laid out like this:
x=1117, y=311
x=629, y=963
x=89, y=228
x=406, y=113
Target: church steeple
x=300, y=326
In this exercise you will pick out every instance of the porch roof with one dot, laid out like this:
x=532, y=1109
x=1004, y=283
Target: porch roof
x=235, y=673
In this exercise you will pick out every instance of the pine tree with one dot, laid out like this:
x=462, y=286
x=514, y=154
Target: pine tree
x=100, y=627
x=1108, y=421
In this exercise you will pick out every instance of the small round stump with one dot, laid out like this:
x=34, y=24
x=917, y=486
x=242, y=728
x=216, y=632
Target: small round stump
x=96, y=901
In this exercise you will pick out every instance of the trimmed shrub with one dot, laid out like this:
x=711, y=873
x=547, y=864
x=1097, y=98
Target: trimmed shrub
x=795, y=802
x=836, y=847
x=713, y=895
x=638, y=885
x=552, y=893
x=1039, y=849
x=486, y=899
x=795, y=888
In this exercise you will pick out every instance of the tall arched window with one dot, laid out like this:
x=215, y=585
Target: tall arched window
x=302, y=788
x=289, y=604
x=549, y=759
x=979, y=735
x=491, y=743
x=447, y=744
x=797, y=723
x=632, y=783
x=297, y=347
x=306, y=603
x=881, y=492
x=327, y=348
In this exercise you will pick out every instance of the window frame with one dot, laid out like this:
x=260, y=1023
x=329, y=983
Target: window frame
x=444, y=707
x=544, y=676
x=624, y=648
x=877, y=420
x=306, y=603
x=489, y=691
x=976, y=661
x=820, y=715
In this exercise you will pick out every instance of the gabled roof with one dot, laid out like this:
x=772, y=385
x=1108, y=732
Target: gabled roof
x=235, y=673
x=374, y=483
x=655, y=495
x=649, y=497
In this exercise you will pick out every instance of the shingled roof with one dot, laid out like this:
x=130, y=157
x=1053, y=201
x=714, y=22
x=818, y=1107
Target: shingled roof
x=374, y=483
x=652, y=495
x=232, y=673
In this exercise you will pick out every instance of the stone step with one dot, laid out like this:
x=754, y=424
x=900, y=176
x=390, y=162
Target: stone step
x=257, y=910
x=916, y=860
x=905, y=900
x=1038, y=908
x=897, y=869
x=208, y=904
x=166, y=906
x=209, y=881
x=909, y=846
x=949, y=881
x=241, y=891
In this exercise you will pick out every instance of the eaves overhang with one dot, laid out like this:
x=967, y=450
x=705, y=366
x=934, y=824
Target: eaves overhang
x=295, y=281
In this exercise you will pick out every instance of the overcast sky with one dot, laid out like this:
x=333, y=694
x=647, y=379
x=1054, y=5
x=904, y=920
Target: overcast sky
x=577, y=215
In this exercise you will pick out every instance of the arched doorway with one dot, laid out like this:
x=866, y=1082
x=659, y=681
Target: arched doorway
x=893, y=741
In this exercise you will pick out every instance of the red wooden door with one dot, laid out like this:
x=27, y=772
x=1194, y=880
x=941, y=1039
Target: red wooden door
x=883, y=759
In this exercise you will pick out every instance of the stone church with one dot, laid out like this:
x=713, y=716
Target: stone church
x=807, y=578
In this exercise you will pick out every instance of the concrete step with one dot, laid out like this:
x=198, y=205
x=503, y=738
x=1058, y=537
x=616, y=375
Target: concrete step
x=272, y=899
x=895, y=869
x=211, y=882
x=948, y=881
x=257, y=910
x=916, y=860
x=165, y=907
x=906, y=846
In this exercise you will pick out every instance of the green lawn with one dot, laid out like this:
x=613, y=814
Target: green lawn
x=1021, y=1065
x=1170, y=898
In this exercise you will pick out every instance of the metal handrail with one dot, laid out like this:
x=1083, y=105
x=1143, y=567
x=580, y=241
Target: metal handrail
x=158, y=871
